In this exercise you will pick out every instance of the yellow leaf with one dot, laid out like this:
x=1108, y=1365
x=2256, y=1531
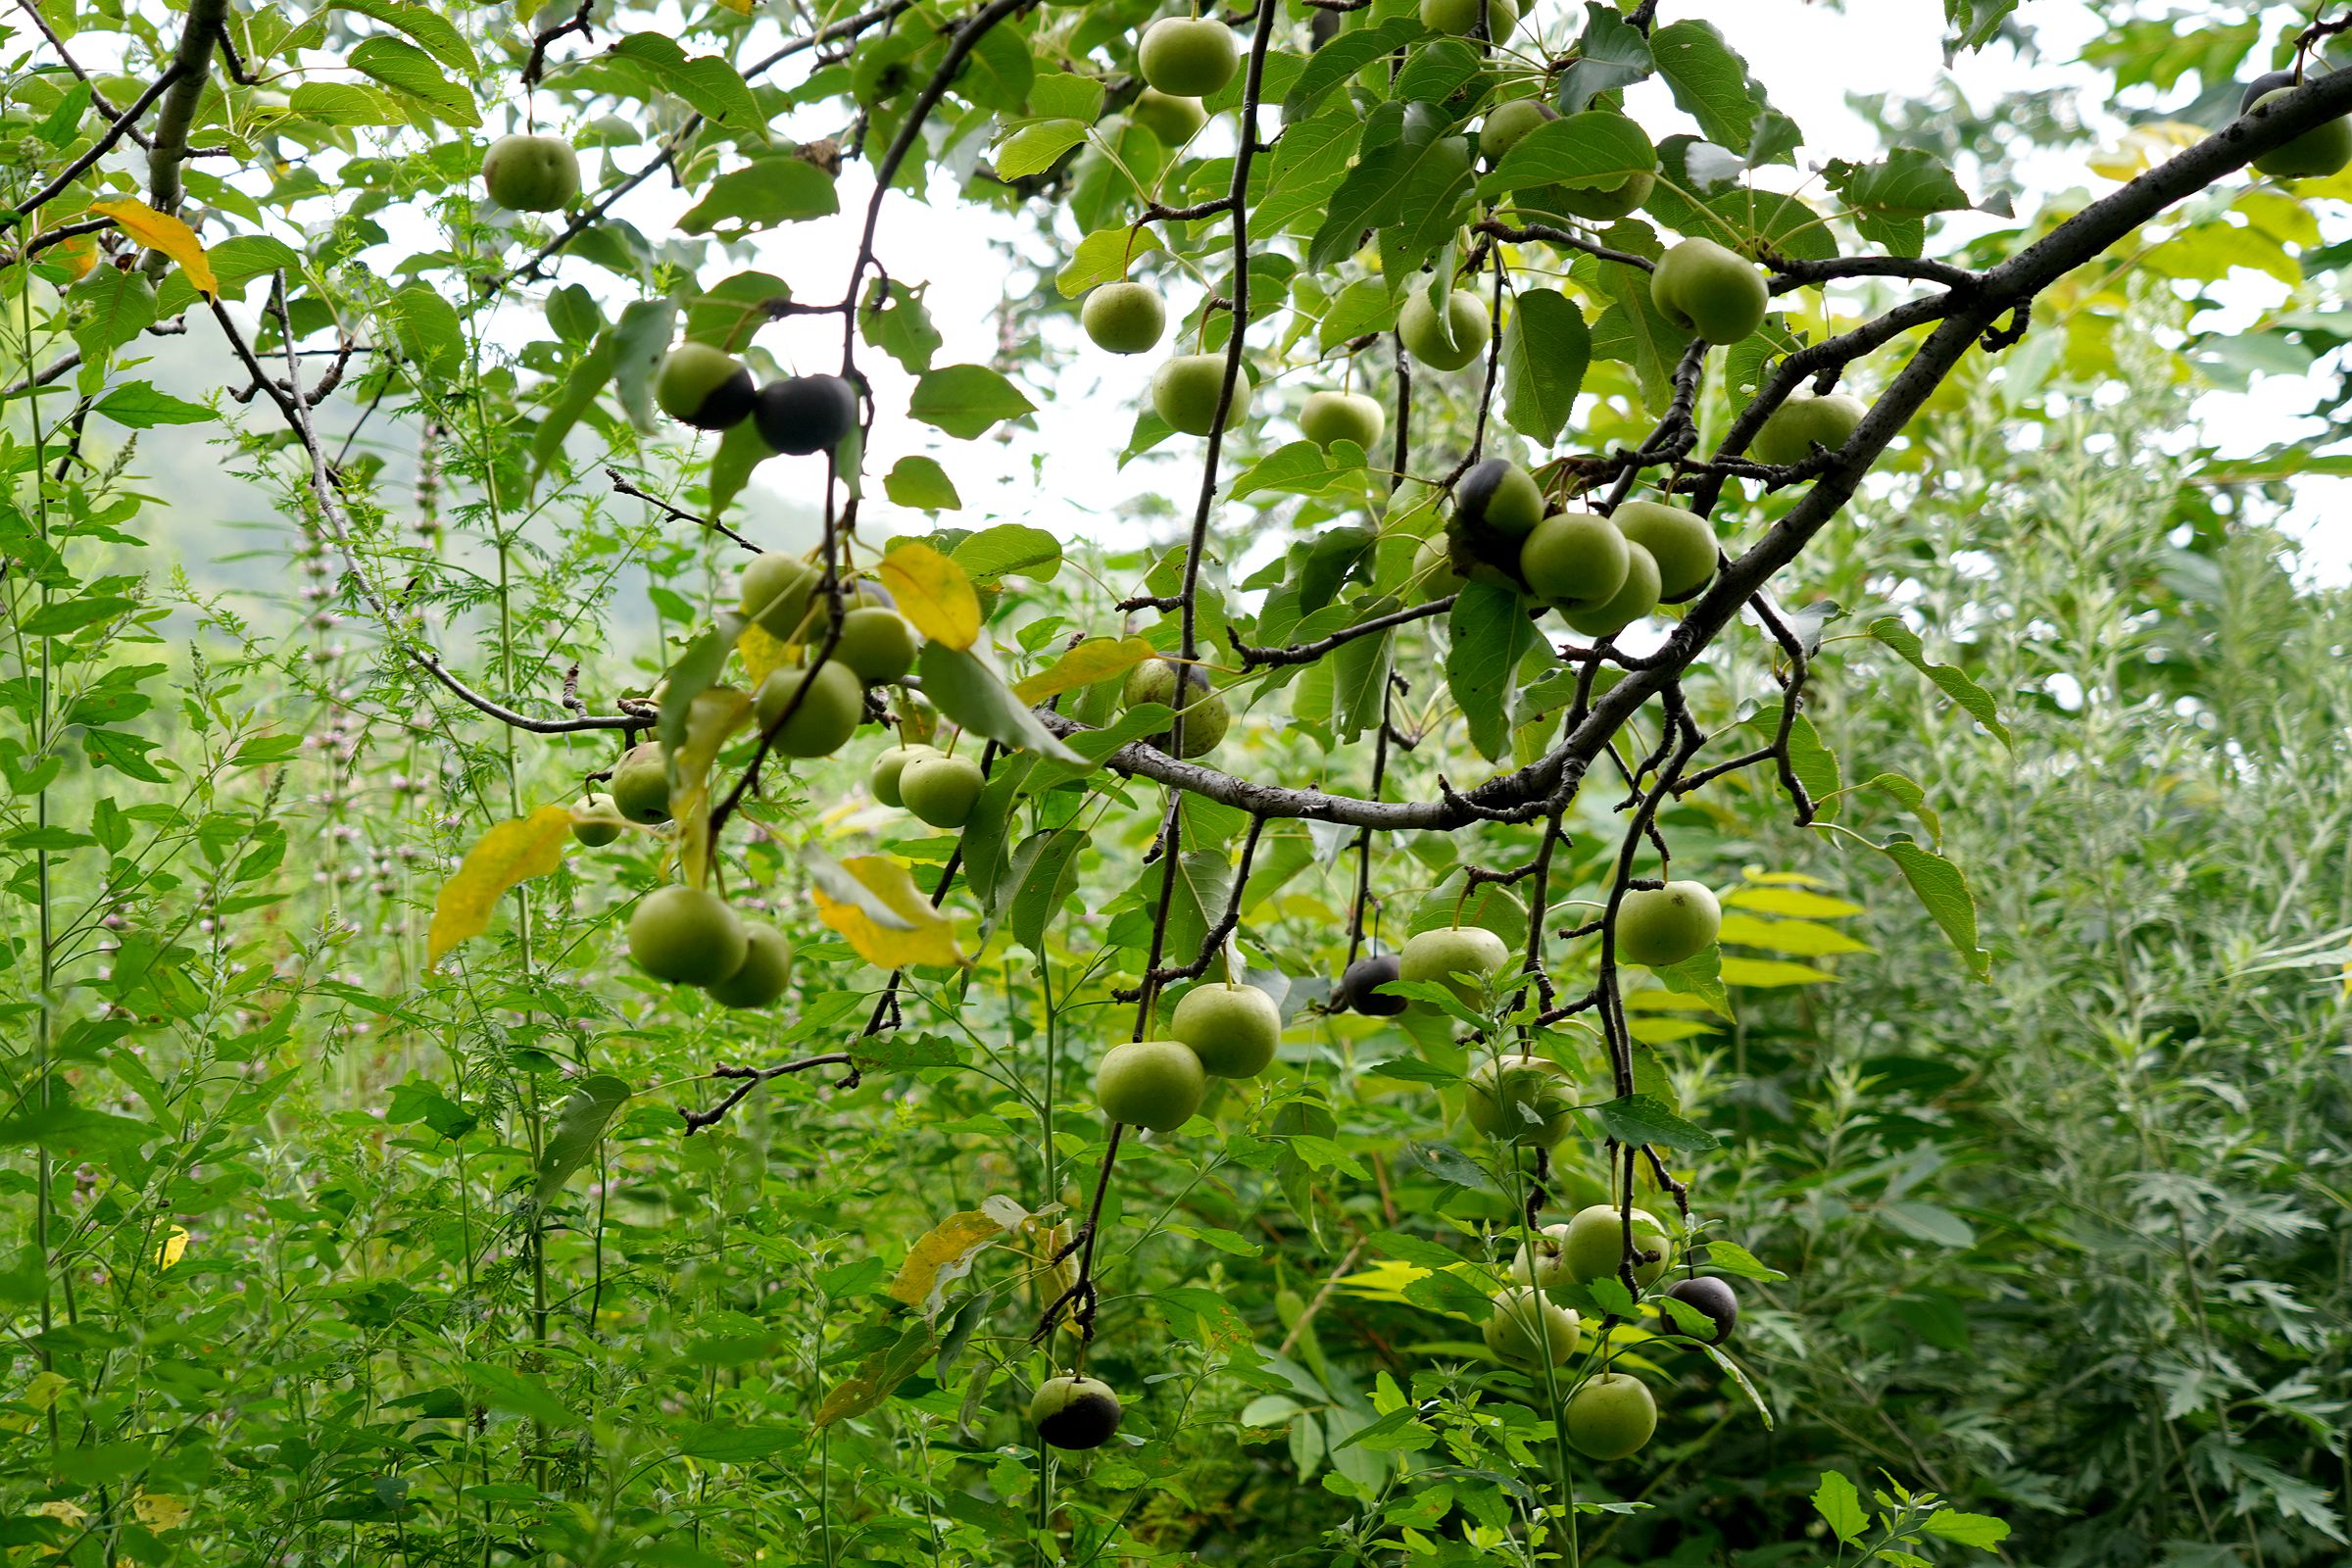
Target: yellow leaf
x=710, y=718
x=172, y=1247
x=1791, y=902
x=157, y=1510
x=41, y=1392
x=1098, y=659
x=76, y=256
x=1771, y=972
x=922, y=936
x=934, y=593
x=510, y=853
x=945, y=1255
x=762, y=655
x=160, y=232
x=877, y=1375
x=2143, y=147
x=1802, y=939
x=742, y=8
x=73, y=1514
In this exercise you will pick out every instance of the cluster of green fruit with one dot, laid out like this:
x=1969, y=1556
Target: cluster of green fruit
x=708, y=388
x=1218, y=1030
x=1203, y=713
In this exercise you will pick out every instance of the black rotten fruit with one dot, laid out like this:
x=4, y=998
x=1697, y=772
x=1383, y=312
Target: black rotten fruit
x=805, y=414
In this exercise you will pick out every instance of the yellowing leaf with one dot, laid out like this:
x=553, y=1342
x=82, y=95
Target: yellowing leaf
x=762, y=655
x=41, y=1390
x=510, y=853
x=934, y=593
x=1796, y=901
x=76, y=256
x=160, y=232
x=877, y=1375
x=1800, y=939
x=157, y=1510
x=712, y=717
x=1771, y=972
x=945, y=1255
x=916, y=934
x=2143, y=147
x=1097, y=658
x=172, y=1247
x=71, y=1513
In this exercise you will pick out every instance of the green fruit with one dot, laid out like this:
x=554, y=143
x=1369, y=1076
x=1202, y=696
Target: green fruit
x=1463, y=950
x=1074, y=1412
x=1611, y=1416
x=1680, y=543
x=1500, y=496
x=1206, y=716
x=826, y=716
x=1791, y=429
x=1544, y=1266
x=1187, y=57
x=1458, y=17
x=1575, y=557
x=1233, y=1029
x=1596, y=1244
x=531, y=173
x=1708, y=291
x=1434, y=576
x=1173, y=120
x=940, y=790
x=641, y=784
x=1507, y=125
x=1707, y=1295
x=1330, y=417
x=1527, y=1101
x=1634, y=598
x=1185, y=392
x=1530, y=1329
x=703, y=386
x=596, y=821
x=686, y=935
x=1123, y=318
x=2320, y=151
x=774, y=591
x=878, y=644
x=890, y=765
x=805, y=414
x=764, y=975
x=1658, y=926
x=1151, y=1083
x=1444, y=343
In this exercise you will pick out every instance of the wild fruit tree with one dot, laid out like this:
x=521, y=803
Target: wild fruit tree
x=1539, y=395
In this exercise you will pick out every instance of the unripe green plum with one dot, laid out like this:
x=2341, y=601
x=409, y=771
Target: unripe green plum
x=1596, y=1244
x=1074, y=1413
x=1123, y=318
x=703, y=386
x=1329, y=418
x=1507, y=125
x=1680, y=543
x=1187, y=57
x=1447, y=342
x=1458, y=17
x=774, y=591
x=764, y=975
x=1593, y=203
x=1151, y=1083
x=2318, y=152
x=641, y=784
x=1175, y=121
x=829, y=714
x=1659, y=926
x=1527, y=1101
x=1707, y=1295
x=596, y=821
x=1791, y=429
x=1233, y=1029
x=1611, y=1416
x=1498, y=497
x=878, y=644
x=1634, y=598
x=1185, y=392
x=1575, y=557
x=1543, y=1263
x=1206, y=716
x=1709, y=292
x=1530, y=1329
x=1360, y=986
x=805, y=414
x=1451, y=950
x=890, y=765
x=531, y=173
x=686, y=935
x=1434, y=576
x=940, y=790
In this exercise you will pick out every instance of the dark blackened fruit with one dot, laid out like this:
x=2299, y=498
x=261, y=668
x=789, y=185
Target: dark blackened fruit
x=1361, y=984
x=1707, y=1295
x=1075, y=1413
x=703, y=386
x=805, y=414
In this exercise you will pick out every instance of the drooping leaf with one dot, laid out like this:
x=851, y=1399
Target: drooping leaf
x=510, y=853
x=933, y=593
x=965, y=400
x=1709, y=81
x=944, y=1255
x=713, y=87
x=1641, y=1119
x=587, y=1110
x=1942, y=887
x=1490, y=634
x=1953, y=683
x=162, y=232
x=877, y=1375
x=911, y=932
x=1545, y=352
x=964, y=687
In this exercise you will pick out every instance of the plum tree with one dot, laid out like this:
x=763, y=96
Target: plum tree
x=641, y=784
x=1659, y=926
x=2318, y=152
x=1525, y=1101
x=1709, y=291
x=775, y=590
x=828, y=715
x=1124, y=317
x=1611, y=1416
x=531, y=173
x=1508, y=124
x=1232, y=1029
x=1679, y=542
x=1707, y=1295
x=1151, y=1083
x=1595, y=1244
x=703, y=386
x=1074, y=1412
x=889, y=768
x=1459, y=17
x=1575, y=557
x=1637, y=596
x=1187, y=57
x=941, y=790
x=1328, y=417
x=596, y=821
x=805, y=414
x=1530, y=1329
x=878, y=644
x=1174, y=120
x=1791, y=429
x=1360, y=983
x=1444, y=342
x=1542, y=1262
x=764, y=974
x=1471, y=952
x=1185, y=392
x=686, y=935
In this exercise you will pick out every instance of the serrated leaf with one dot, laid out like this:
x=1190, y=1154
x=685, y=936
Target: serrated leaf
x=1641, y=1119
x=1609, y=55
x=1942, y=888
x=1104, y=256
x=997, y=552
x=1709, y=81
x=1701, y=976
x=782, y=189
x=509, y=854
x=933, y=593
x=1301, y=468
x=1343, y=57
x=1595, y=149
x=1839, y=1507
x=435, y=32
x=1953, y=683
x=409, y=70
x=1037, y=147
x=1417, y=174
x=587, y=1110
x=1891, y=200
x=713, y=87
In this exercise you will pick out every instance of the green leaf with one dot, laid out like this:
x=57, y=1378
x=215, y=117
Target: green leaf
x=1102, y=257
x=1490, y=633
x=1891, y=200
x=438, y=35
x=1709, y=81
x=1632, y=332
x=1929, y=1222
x=994, y=554
x=579, y=1125
x=1545, y=352
x=967, y=690
x=1061, y=95
x=1308, y=163
x=1840, y=1506
x=1047, y=877
x=141, y=407
x=739, y=452
x=111, y=307
x=1610, y=55
x=411, y=71
x=518, y=1394
x=1594, y=149
x=920, y=483
x=1343, y=57
x=1641, y=1119
x=965, y=400
x=1700, y=975
x=1729, y=1257
x=1942, y=887
x=713, y=89
x=1968, y=1529
x=1409, y=168
x=428, y=329
x=1737, y=1374
x=894, y=319
x=728, y=313
x=344, y=103
x=1038, y=146
x=1303, y=468
x=1975, y=699
x=784, y=189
